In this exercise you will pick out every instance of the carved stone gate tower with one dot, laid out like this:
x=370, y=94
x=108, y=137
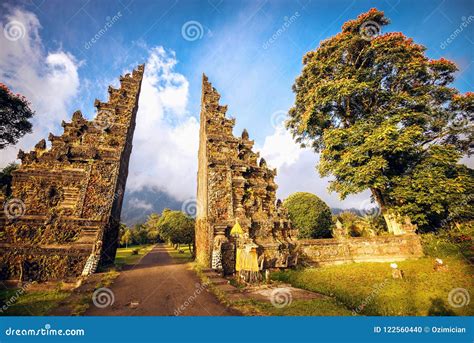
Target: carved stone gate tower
x=234, y=185
x=62, y=218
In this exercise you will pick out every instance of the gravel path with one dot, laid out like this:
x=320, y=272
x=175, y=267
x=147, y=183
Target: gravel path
x=159, y=286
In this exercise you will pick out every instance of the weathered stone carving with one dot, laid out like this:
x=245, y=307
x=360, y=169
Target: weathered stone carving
x=72, y=193
x=233, y=184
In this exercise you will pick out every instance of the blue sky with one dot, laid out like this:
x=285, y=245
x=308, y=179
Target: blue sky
x=253, y=75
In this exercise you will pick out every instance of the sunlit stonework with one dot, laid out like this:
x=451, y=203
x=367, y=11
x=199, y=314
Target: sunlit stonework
x=72, y=193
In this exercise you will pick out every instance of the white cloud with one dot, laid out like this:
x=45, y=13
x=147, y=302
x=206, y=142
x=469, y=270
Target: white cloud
x=140, y=204
x=280, y=149
x=166, y=138
x=172, y=88
x=165, y=141
x=49, y=80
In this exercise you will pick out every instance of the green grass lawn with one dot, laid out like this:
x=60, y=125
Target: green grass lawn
x=184, y=256
x=369, y=289
x=315, y=307
x=36, y=303
x=125, y=256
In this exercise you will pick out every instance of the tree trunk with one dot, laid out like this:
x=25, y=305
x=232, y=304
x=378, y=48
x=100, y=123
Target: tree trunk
x=395, y=223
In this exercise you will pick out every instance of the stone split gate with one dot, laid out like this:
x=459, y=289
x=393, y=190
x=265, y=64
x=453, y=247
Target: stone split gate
x=62, y=218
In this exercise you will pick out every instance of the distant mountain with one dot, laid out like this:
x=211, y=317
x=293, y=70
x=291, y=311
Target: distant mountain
x=337, y=211
x=138, y=205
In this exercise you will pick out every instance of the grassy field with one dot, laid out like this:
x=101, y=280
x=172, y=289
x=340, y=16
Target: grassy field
x=369, y=289
x=125, y=256
x=184, y=256
x=79, y=302
x=315, y=307
x=37, y=303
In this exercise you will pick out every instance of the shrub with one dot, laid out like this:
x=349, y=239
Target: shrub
x=450, y=241
x=366, y=226
x=309, y=214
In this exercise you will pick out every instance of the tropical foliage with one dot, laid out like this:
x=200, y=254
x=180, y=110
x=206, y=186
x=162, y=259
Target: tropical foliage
x=14, y=118
x=384, y=117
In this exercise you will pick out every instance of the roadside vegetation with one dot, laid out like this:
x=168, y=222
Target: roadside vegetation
x=60, y=298
x=182, y=254
x=34, y=303
x=315, y=307
x=131, y=255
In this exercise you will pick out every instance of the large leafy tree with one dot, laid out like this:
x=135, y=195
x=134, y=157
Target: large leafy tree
x=126, y=237
x=15, y=113
x=176, y=227
x=381, y=113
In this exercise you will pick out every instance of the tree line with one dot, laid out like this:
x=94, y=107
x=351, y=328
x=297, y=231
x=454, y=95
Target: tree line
x=174, y=227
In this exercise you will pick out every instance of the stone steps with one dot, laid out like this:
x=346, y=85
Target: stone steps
x=229, y=289
x=218, y=281
x=222, y=284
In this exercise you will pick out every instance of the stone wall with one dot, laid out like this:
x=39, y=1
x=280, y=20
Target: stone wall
x=66, y=200
x=320, y=252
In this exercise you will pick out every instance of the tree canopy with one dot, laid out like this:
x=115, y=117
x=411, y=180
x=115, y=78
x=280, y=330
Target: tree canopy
x=385, y=117
x=6, y=178
x=309, y=214
x=176, y=227
x=14, y=119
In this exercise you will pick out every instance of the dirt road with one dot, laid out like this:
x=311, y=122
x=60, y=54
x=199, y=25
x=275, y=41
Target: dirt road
x=159, y=286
